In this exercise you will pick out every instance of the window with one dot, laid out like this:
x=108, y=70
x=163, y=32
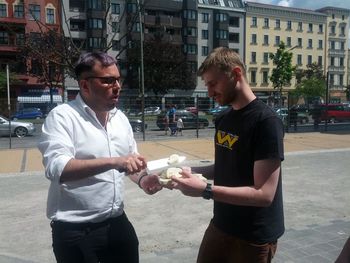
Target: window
x=342, y=31
x=319, y=60
x=234, y=21
x=309, y=59
x=266, y=58
x=253, y=41
x=190, y=49
x=332, y=44
x=320, y=43
x=299, y=60
x=205, y=51
x=18, y=11
x=266, y=39
x=95, y=23
x=341, y=62
x=205, y=34
x=115, y=45
x=136, y=27
x=277, y=40
x=278, y=24
x=3, y=10
x=253, y=76
x=234, y=37
x=96, y=4
x=115, y=8
x=309, y=43
x=205, y=17
x=192, y=65
x=220, y=17
x=342, y=45
x=4, y=38
x=333, y=30
x=341, y=79
x=265, y=77
x=50, y=15
x=115, y=27
x=331, y=79
x=254, y=21
x=253, y=57
x=266, y=22
x=300, y=26
x=300, y=42
x=190, y=14
x=320, y=28
x=95, y=42
x=34, y=11
x=310, y=28
x=19, y=39
x=289, y=25
x=190, y=31
x=221, y=34
x=289, y=41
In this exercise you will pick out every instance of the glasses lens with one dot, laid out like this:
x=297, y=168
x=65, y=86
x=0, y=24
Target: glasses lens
x=109, y=80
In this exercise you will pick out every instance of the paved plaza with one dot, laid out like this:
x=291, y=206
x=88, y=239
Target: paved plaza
x=170, y=226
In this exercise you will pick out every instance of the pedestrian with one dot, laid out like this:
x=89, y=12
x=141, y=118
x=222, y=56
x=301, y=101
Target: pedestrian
x=88, y=147
x=293, y=117
x=166, y=124
x=316, y=115
x=247, y=190
x=179, y=126
x=172, y=119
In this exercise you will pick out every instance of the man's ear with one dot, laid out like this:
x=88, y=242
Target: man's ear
x=83, y=85
x=237, y=73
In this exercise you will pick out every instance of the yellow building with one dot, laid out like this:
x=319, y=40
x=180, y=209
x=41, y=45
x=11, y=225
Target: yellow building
x=303, y=32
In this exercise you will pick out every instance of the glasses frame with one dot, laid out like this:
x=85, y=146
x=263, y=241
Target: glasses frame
x=107, y=80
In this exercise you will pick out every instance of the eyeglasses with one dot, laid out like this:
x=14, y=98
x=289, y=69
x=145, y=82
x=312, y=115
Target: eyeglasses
x=107, y=80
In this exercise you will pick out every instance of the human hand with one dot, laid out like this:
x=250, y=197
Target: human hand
x=132, y=163
x=189, y=184
x=150, y=184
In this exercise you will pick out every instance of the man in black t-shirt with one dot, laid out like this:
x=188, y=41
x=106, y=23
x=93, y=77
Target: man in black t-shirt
x=247, y=190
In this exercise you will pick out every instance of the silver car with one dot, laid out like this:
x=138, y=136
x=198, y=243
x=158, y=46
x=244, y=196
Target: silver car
x=18, y=128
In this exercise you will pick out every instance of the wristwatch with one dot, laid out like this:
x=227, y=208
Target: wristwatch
x=207, y=193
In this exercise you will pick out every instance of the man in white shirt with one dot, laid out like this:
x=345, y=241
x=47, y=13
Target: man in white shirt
x=88, y=147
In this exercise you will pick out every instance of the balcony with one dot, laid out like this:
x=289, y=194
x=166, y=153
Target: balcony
x=13, y=21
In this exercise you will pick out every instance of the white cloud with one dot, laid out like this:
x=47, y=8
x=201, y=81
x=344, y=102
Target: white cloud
x=307, y=4
x=287, y=3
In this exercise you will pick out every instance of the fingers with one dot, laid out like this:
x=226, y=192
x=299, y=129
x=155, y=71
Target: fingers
x=134, y=163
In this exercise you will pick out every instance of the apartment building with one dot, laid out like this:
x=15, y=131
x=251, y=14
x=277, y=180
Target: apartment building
x=220, y=23
x=337, y=34
x=303, y=32
x=18, y=20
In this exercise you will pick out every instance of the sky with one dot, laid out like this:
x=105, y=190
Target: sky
x=306, y=4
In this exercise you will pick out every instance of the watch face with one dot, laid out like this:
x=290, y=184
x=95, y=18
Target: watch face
x=207, y=193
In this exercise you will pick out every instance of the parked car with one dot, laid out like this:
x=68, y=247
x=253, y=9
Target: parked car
x=334, y=112
x=151, y=111
x=27, y=113
x=136, y=125
x=302, y=117
x=188, y=118
x=217, y=110
x=19, y=129
x=194, y=110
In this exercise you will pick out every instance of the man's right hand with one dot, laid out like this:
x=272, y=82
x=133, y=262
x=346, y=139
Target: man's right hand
x=132, y=163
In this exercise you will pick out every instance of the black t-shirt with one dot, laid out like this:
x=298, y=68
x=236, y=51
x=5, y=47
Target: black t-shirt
x=243, y=137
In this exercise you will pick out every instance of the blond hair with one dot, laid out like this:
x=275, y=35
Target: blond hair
x=223, y=59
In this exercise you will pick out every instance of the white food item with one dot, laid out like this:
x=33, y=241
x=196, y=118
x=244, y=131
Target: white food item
x=173, y=159
x=165, y=176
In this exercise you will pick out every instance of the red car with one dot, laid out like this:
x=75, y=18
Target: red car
x=335, y=112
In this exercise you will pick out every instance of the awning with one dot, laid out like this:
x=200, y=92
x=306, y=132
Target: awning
x=40, y=99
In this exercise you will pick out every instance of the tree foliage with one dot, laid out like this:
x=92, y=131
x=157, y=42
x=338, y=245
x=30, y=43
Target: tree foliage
x=311, y=82
x=283, y=72
x=3, y=82
x=165, y=67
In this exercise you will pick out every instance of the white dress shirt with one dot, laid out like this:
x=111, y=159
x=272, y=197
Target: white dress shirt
x=70, y=131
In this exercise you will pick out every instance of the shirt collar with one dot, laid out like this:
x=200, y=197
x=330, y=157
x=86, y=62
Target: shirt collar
x=87, y=109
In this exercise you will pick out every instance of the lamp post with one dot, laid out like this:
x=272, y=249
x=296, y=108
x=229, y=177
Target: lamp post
x=8, y=101
x=142, y=82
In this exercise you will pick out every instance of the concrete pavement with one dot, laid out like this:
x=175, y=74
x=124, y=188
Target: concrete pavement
x=29, y=160
x=170, y=226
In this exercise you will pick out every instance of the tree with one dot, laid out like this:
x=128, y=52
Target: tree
x=283, y=72
x=311, y=83
x=165, y=66
x=3, y=83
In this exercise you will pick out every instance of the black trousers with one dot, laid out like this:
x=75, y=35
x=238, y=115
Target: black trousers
x=113, y=240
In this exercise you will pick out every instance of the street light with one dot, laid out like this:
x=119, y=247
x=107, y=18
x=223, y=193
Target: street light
x=142, y=72
x=8, y=98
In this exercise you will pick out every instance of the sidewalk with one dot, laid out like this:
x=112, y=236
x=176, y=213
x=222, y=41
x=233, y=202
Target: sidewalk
x=29, y=160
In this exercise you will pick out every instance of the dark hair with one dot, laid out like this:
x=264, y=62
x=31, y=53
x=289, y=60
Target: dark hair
x=88, y=60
